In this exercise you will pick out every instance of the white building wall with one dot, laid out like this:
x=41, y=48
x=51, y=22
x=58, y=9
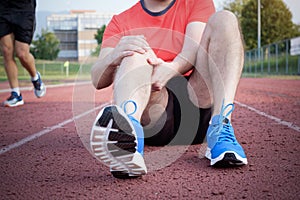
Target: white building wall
x=80, y=22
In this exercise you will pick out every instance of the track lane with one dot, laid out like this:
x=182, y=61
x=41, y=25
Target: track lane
x=58, y=166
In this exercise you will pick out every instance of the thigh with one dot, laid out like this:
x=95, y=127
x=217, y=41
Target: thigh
x=24, y=26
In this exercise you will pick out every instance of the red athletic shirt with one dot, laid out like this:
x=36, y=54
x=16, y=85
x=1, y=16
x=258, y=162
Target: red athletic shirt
x=164, y=31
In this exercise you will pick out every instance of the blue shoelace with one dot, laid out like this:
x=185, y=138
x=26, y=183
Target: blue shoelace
x=124, y=105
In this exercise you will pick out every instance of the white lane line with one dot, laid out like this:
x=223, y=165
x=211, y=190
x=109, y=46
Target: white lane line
x=45, y=131
x=49, y=86
x=276, y=119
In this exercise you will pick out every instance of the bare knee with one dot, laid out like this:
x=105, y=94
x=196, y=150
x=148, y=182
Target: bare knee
x=135, y=61
x=224, y=21
x=136, y=57
x=8, y=53
x=134, y=66
x=22, y=54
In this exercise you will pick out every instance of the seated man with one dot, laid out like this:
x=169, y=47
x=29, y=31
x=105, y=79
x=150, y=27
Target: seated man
x=175, y=66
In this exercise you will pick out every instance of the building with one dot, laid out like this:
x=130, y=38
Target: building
x=76, y=32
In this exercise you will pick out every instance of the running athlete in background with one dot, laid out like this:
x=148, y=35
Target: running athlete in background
x=17, y=25
x=175, y=66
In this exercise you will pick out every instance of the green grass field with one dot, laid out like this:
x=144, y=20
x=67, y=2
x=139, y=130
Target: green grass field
x=52, y=71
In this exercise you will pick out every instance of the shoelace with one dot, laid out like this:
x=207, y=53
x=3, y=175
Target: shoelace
x=221, y=127
x=124, y=105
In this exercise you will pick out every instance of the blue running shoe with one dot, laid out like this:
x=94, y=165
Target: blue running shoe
x=39, y=87
x=223, y=149
x=117, y=139
x=14, y=100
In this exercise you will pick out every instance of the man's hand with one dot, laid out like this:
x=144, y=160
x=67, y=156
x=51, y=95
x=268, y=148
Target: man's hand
x=127, y=46
x=162, y=73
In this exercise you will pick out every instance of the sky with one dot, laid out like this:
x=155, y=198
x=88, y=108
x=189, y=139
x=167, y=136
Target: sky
x=116, y=6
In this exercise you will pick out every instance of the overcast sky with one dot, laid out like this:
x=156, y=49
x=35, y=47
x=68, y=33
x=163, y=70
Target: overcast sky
x=116, y=6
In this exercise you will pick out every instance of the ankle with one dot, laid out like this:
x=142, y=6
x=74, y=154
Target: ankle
x=16, y=90
x=35, y=78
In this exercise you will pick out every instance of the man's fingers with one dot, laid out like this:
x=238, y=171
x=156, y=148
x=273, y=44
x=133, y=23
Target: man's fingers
x=155, y=61
x=138, y=41
x=127, y=53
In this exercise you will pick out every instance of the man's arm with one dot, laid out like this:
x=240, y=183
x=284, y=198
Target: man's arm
x=186, y=59
x=183, y=62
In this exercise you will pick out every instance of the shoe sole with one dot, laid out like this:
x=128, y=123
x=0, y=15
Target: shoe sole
x=19, y=103
x=114, y=142
x=226, y=159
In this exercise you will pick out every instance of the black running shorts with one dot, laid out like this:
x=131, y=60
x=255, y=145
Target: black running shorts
x=184, y=122
x=21, y=24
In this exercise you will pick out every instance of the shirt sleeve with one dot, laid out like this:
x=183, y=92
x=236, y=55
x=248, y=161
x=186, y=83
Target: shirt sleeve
x=201, y=10
x=112, y=34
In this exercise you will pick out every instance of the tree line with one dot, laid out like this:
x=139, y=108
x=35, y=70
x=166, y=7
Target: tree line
x=276, y=21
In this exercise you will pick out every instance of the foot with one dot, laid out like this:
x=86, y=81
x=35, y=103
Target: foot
x=223, y=148
x=117, y=139
x=39, y=87
x=14, y=100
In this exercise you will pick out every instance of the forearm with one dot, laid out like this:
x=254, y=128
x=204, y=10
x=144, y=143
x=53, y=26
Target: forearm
x=184, y=61
x=102, y=72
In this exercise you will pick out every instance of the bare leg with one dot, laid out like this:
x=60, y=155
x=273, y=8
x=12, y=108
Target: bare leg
x=7, y=48
x=133, y=82
x=25, y=57
x=219, y=61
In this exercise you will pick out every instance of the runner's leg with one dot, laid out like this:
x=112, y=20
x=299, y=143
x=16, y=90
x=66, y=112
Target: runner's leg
x=25, y=57
x=7, y=49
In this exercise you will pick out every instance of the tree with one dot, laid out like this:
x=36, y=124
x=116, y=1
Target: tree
x=276, y=21
x=99, y=37
x=46, y=46
x=236, y=7
x=99, y=34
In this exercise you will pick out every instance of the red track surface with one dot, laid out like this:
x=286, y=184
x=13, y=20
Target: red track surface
x=58, y=166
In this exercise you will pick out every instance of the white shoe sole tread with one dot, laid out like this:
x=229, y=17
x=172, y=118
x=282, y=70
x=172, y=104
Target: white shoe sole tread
x=116, y=146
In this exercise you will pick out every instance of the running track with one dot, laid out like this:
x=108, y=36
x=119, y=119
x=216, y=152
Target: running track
x=43, y=157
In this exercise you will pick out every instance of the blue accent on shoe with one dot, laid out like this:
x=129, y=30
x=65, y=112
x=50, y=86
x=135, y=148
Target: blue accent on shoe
x=15, y=95
x=136, y=124
x=14, y=100
x=140, y=134
x=221, y=138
